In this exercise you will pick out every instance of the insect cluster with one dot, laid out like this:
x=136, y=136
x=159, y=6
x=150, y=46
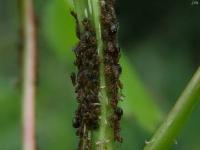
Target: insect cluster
x=87, y=84
x=87, y=79
x=111, y=62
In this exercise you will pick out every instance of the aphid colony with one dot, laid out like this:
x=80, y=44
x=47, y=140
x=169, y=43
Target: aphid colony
x=86, y=83
x=111, y=62
x=87, y=79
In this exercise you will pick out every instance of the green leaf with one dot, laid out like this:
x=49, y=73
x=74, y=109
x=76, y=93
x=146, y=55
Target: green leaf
x=138, y=102
x=70, y=3
x=58, y=27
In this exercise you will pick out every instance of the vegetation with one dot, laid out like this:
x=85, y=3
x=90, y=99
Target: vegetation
x=97, y=119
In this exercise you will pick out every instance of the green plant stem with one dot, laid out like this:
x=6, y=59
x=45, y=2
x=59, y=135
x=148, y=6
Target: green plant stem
x=168, y=131
x=102, y=138
x=105, y=135
x=29, y=75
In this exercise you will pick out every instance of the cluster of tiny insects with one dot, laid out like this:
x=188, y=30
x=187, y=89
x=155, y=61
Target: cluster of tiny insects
x=87, y=79
x=86, y=82
x=111, y=62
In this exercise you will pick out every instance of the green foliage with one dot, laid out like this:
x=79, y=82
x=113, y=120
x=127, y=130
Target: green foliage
x=9, y=117
x=138, y=102
x=59, y=28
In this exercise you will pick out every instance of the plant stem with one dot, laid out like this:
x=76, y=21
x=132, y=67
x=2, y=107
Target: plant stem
x=105, y=133
x=103, y=137
x=168, y=131
x=29, y=76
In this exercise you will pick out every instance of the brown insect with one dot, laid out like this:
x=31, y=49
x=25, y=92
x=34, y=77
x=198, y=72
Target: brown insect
x=114, y=28
x=75, y=123
x=120, y=85
x=110, y=46
x=119, y=112
x=78, y=32
x=86, y=36
x=87, y=25
x=73, y=78
x=117, y=71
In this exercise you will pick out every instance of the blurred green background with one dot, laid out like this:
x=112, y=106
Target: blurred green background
x=160, y=41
